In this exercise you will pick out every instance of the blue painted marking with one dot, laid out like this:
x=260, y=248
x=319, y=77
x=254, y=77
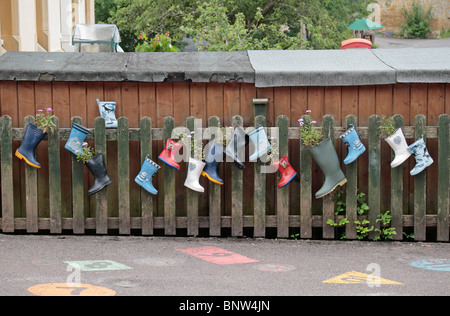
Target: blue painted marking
x=432, y=264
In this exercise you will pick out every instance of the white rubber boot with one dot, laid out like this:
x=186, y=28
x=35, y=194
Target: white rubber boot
x=194, y=171
x=398, y=144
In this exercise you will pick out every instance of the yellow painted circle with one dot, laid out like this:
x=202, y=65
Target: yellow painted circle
x=70, y=289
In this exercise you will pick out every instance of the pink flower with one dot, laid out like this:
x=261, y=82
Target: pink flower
x=49, y=109
x=308, y=111
x=300, y=120
x=84, y=144
x=39, y=110
x=76, y=151
x=301, y=123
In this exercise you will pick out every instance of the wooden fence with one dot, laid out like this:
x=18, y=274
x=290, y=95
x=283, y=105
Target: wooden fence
x=92, y=214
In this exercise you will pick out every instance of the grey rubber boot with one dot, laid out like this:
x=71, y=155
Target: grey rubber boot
x=326, y=157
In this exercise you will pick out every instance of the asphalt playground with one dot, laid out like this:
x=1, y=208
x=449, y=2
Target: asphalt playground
x=220, y=268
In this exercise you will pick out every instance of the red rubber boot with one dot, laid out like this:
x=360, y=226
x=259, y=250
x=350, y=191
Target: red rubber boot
x=287, y=172
x=168, y=154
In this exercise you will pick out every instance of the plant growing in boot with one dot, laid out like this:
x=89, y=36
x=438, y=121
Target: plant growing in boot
x=396, y=140
x=96, y=166
x=34, y=134
x=324, y=154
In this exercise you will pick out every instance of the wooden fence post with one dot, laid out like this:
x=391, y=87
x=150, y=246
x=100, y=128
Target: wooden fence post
x=215, y=204
x=443, y=179
x=123, y=165
x=191, y=196
x=328, y=200
x=305, y=190
x=351, y=192
x=146, y=197
x=374, y=172
x=283, y=193
x=7, y=175
x=31, y=190
x=237, y=180
x=397, y=190
x=101, y=198
x=78, y=190
x=54, y=179
x=259, y=195
x=169, y=184
x=420, y=186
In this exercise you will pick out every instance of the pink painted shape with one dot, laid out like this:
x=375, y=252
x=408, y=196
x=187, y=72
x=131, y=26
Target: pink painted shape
x=217, y=255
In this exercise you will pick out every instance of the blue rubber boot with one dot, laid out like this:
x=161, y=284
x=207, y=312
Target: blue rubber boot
x=76, y=139
x=354, y=145
x=33, y=136
x=144, y=178
x=260, y=141
x=108, y=112
x=423, y=158
x=213, y=158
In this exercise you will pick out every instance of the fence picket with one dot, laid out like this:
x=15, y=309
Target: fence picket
x=259, y=195
x=374, y=191
x=283, y=193
x=305, y=191
x=397, y=190
x=123, y=165
x=54, y=179
x=169, y=184
x=146, y=197
x=237, y=180
x=7, y=175
x=191, y=196
x=328, y=200
x=215, y=204
x=31, y=203
x=351, y=190
x=101, y=198
x=78, y=190
x=443, y=179
x=420, y=183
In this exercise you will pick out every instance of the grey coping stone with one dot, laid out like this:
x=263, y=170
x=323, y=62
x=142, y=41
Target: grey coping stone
x=425, y=65
x=319, y=68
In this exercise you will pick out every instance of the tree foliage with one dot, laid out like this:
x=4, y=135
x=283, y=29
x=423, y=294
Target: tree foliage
x=238, y=24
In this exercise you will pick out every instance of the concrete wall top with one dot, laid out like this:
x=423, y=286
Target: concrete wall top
x=353, y=67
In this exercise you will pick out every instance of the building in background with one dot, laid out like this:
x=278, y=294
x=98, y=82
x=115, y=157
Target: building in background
x=42, y=25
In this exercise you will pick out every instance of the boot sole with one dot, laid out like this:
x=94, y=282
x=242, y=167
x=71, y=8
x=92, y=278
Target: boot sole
x=288, y=181
x=211, y=179
x=339, y=184
x=20, y=156
x=96, y=191
x=174, y=167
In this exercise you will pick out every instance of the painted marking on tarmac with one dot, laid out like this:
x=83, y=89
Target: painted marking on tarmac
x=274, y=267
x=160, y=262
x=217, y=255
x=97, y=265
x=355, y=277
x=70, y=289
x=432, y=264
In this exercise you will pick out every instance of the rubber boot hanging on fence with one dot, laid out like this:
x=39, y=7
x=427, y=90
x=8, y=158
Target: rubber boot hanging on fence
x=194, y=170
x=398, y=144
x=33, y=136
x=168, y=153
x=144, y=178
x=97, y=167
x=420, y=152
x=108, y=112
x=236, y=147
x=76, y=138
x=354, y=145
x=287, y=172
x=260, y=142
x=326, y=157
x=214, y=156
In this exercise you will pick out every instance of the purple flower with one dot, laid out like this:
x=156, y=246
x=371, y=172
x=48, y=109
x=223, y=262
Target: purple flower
x=313, y=122
x=300, y=120
x=39, y=110
x=301, y=123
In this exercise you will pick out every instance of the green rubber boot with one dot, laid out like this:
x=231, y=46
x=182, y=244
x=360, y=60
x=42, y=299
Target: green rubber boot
x=326, y=157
